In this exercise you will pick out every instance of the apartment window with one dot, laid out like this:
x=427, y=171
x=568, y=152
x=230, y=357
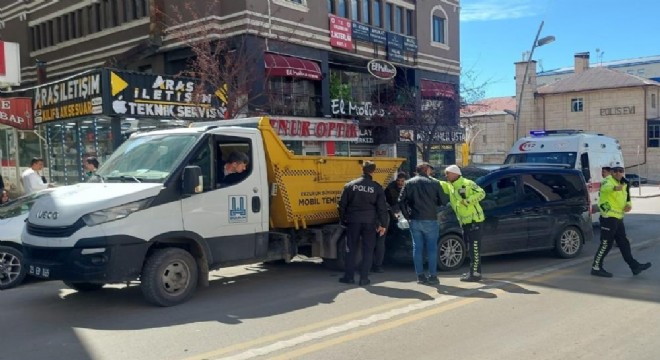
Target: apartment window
x=58, y=30
x=50, y=32
x=366, y=9
x=388, y=17
x=438, y=29
x=654, y=134
x=354, y=10
x=653, y=101
x=98, y=25
x=409, y=23
x=331, y=6
x=398, y=20
x=377, y=22
x=341, y=8
x=79, y=23
x=33, y=37
x=577, y=105
x=66, y=35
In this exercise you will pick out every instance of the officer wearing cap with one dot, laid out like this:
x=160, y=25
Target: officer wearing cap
x=419, y=201
x=614, y=201
x=465, y=195
x=363, y=209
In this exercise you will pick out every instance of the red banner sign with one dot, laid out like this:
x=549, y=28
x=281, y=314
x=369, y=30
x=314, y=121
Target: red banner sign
x=341, y=33
x=17, y=113
x=317, y=130
x=3, y=63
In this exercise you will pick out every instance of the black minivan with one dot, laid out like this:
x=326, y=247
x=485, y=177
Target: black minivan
x=527, y=207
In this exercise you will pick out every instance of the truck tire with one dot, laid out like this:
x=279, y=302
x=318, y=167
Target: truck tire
x=84, y=286
x=451, y=252
x=12, y=267
x=569, y=243
x=169, y=277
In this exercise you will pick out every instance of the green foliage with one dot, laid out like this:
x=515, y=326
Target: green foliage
x=339, y=90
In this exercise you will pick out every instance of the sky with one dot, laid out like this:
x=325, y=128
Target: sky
x=495, y=34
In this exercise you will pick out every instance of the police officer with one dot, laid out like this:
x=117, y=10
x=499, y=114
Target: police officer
x=464, y=195
x=614, y=201
x=362, y=208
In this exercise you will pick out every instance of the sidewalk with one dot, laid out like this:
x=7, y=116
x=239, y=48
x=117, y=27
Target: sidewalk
x=645, y=191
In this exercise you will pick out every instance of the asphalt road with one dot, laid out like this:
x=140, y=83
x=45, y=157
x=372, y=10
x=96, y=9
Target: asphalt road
x=530, y=306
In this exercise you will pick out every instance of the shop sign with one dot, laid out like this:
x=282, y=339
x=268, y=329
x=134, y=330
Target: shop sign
x=365, y=136
x=394, y=41
x=17, y=113
x=618, y=110
x=453, y=136
x=394, y=54
x=410, y=44
x=314, y=129
x=341, y=33
x=378, y=36
x=381, y=69
x=148, y=95
x=362, y=108
x=360, y=32
x=75, y=97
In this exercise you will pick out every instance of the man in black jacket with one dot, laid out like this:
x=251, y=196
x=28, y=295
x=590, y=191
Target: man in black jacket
x=419, y=201
x=392, y=192
x=362, y=208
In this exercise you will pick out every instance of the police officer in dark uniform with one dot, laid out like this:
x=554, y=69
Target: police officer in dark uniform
x=363, y=209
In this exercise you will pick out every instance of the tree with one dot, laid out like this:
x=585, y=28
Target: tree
x=220, y=60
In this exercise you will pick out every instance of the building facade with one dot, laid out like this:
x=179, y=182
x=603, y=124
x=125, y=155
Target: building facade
x=593, y=99
x=308, y=60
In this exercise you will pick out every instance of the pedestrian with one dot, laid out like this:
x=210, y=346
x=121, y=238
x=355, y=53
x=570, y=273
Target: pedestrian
x=392, y=192
x=31, y=179
x=465, y=195
x=613, y=203
x=419, y=201
x=91, y=165
x=362, y=208
x=4, y=198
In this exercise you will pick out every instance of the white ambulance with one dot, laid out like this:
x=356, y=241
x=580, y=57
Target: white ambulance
x=588, y=152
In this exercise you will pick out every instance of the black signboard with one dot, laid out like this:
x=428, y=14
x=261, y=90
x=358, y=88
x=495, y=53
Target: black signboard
x=394, y=41
x=378, y=36
x=163, y=96
x=360, y=32
x=75, y=97
x=395, y=54
x=410, y=44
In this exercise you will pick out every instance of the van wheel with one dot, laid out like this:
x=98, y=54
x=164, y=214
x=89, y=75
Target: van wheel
x=169, y=277
x=569, y=243
x=12, y=268
x=451, y=252
x=84, y=286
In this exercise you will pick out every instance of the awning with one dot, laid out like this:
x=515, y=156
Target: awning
x=280, y=65
x=17, y=113
x=432, y=89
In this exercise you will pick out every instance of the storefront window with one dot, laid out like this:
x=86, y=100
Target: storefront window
x=294, y=96
x=359, y=95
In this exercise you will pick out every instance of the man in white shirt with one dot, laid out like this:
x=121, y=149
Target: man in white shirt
x=32, y=181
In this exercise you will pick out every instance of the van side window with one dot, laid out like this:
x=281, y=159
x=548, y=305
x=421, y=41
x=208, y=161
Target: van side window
x=202, y=158
x=502, y=192
x=234, y=160
x=552, y=187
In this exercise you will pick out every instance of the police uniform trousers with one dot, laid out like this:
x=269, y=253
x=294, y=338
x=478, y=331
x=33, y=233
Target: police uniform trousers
x=472, y=235
x=356, y=232
x=611, y=230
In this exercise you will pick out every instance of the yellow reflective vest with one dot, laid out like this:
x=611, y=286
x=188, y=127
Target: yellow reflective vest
x=612, y=202
x=465, y=195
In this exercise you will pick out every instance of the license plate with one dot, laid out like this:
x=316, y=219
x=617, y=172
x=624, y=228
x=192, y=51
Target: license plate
x=39, y=271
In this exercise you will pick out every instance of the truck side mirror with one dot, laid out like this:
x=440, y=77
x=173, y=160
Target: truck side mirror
x=587, y=174
x=192, y=181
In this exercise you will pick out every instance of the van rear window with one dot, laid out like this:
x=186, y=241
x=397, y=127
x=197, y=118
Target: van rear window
x=552, y=187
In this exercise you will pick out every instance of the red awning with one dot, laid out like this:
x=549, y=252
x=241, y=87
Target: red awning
x=432, y=89
x=17, y=113
x=280, y=65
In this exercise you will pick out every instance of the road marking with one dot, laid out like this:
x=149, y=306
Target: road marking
x=407, y=314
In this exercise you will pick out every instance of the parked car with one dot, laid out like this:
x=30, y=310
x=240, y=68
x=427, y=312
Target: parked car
x=527, y=208
x=12, y=221
x=635, y=179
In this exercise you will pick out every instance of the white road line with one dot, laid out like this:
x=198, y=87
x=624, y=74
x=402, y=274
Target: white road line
x=354, y=324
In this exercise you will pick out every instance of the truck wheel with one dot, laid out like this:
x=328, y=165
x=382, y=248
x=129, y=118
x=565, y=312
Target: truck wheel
x=12, y=268
x=451, y=252
x=169, y=277
x=84, y=286
x=569, y=243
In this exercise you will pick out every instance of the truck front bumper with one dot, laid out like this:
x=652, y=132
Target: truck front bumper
x=96, y=260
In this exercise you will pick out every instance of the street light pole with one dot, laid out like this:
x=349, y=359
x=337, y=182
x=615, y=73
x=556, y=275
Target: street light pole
x=537, y=42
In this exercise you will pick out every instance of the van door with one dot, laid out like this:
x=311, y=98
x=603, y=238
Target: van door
x=543, y=207
x=228, y=213
x=504, y=229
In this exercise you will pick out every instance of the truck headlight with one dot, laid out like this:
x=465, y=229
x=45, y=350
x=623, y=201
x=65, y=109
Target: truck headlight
x=114, y=213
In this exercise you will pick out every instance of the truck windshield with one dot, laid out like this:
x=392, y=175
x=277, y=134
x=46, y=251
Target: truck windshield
x=543, y=158
x=147, y=158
